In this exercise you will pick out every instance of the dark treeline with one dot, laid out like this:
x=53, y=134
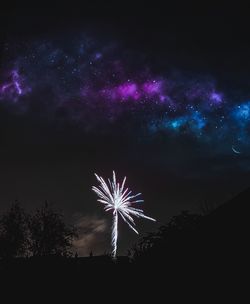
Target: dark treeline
x=192, y=251
x=44, y=233
x=39, y=234
x=188, y=237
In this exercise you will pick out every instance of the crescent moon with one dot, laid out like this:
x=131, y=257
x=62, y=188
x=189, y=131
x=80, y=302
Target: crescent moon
x=235, y=151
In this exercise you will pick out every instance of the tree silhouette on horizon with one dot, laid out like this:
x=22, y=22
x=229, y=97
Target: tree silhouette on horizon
x=169, y=239
x=43, y=233
x=49, y=235
x=14, y=232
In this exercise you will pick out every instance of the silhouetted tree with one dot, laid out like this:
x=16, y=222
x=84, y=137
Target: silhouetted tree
x=173, y=237
x=49, y=235
x=14, y=232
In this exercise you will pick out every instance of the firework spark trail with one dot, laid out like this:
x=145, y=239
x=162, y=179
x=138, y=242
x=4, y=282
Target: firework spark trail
x=120, y=201
x=114, y=233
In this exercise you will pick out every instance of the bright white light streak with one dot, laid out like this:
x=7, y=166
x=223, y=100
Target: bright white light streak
x=120, y=202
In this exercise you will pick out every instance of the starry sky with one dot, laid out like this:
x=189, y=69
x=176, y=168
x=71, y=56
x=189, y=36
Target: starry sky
x=161, y=97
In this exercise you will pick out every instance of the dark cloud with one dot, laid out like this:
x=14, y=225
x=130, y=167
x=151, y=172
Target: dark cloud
x=92, y=235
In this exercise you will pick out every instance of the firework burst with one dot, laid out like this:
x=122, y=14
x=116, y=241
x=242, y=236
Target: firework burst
x=120, y=201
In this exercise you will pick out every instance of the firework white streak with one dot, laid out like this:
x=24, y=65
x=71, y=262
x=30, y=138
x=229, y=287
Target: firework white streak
x=120, y=200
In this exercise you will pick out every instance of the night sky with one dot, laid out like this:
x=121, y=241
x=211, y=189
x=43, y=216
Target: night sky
x=158, y=94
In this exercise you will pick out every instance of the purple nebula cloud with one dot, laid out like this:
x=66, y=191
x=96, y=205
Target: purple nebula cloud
x=216, y=98
x=13, y=87
x=152, y=88
x=127, y=91
x=91, y=85
x=135, y=91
